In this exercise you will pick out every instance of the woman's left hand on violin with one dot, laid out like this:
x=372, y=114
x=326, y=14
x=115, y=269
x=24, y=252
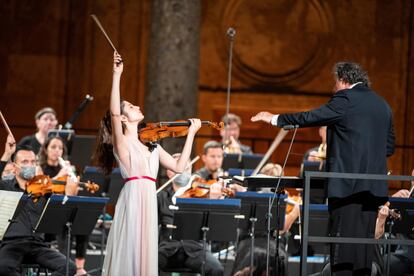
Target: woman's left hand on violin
x=195, y=126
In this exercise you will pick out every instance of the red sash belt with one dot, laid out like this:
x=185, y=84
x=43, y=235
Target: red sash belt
x=139, y=177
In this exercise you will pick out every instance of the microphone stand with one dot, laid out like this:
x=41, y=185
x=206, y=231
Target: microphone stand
x=277, y=193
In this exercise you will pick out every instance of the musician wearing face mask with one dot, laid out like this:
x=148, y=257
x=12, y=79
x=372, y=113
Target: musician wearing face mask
x=20, y=242
x=45, y=120
x=184, y=253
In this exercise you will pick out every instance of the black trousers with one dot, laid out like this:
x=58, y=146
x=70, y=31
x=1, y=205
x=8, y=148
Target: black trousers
x=14, y=252
x=81, y=244
x=355, y=217
x=182, y=260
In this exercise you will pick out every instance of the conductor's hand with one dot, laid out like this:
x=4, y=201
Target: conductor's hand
x=118, y=64
x=262, y=116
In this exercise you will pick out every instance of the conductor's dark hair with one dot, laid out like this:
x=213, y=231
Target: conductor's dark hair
x=351, y=72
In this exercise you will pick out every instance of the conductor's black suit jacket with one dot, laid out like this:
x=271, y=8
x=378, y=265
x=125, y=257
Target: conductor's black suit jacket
x=360, y=136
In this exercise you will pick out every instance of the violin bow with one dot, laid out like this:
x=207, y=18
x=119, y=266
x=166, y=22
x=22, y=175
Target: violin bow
x=231, y=34
x=276, y=142
x=103, y=31
x=176, y=175
x=7, y=126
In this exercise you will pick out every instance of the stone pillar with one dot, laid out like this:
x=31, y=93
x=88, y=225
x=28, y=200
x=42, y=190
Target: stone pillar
x=173, y=64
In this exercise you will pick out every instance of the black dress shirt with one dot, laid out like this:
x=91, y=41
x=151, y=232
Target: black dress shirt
x=27, y=216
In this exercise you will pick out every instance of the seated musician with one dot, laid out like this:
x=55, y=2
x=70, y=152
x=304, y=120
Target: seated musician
x=185, y=253
x=45, y=120
x=20, y=243
x=49, y=154
x=242, y=262
x=402, y=260
x=213, y=159
x=230, y=135
x=317, y=153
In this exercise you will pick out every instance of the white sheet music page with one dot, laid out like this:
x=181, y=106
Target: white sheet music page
x=8, y=204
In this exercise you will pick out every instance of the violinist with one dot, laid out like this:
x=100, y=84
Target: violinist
x=45, y=120
x=20, y=243
x=130, y=247
x=50, y=152
x=402, y=260
x=230, y=135
x=213, y=159
x=185, y=253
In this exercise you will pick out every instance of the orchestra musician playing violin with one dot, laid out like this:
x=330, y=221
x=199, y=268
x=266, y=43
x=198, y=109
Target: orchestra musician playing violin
x=213, y=159
x=49, y=154
x=185, y=253
x=21, y=243
x=131, y=246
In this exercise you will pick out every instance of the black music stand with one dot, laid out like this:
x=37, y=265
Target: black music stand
x=255, y=208
x=241, y=161
x=231, y=160
x=78, y=214
x=206, y=220
x=82, y=150
x=251, y=161
x=254, y=183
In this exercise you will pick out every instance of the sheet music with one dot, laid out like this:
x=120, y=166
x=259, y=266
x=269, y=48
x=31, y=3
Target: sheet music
x=8, y=204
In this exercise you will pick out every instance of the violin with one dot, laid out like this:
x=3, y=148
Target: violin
x=200, y=188
x=153, y=132
x=41, y=185
x=293, y=196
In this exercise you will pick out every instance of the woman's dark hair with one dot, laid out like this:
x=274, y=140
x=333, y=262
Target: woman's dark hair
x=104, y=155
x=42, y=155
x=351, y=72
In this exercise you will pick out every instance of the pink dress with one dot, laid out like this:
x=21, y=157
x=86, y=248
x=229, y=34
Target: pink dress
x=132, y=247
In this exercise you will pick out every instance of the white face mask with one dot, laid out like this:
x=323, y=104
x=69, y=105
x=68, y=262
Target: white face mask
x=27, y=172
x=182, y=179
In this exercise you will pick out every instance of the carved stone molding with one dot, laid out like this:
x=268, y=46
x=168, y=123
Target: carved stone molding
x=282, y=43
